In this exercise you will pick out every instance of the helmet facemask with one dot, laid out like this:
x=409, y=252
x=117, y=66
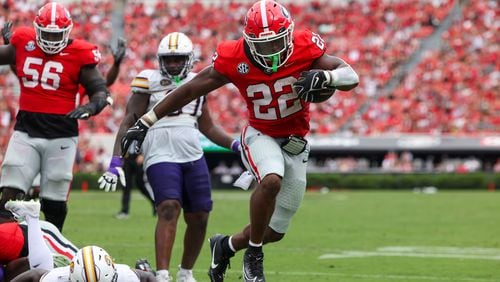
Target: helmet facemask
x=52, y=25
x=271, y=50
x=175, y=66
x=52, y=39
x=175, y=56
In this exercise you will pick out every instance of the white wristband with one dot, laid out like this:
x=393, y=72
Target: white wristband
x=150, y=118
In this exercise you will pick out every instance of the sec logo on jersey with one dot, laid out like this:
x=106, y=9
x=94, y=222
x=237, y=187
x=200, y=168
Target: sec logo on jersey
x=243, y=68
x=30, y=46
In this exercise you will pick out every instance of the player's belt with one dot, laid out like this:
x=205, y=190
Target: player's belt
x=294, y=145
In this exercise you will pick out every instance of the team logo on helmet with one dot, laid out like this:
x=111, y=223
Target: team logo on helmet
x=243, y=68
x=30, y=46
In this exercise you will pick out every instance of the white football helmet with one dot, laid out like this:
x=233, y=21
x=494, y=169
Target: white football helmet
x=92, y=264
x=175, y=45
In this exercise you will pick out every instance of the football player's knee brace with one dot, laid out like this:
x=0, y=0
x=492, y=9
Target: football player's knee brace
x=54, y=211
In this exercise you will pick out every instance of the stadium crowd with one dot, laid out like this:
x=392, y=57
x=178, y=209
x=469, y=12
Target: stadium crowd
x=454, y=90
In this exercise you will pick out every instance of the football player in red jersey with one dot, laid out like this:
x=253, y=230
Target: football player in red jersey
x=50, y=67
x=278, y=71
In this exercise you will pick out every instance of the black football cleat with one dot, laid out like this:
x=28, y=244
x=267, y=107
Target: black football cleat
x=219, y=261
x=253, y=266
x=143, y=264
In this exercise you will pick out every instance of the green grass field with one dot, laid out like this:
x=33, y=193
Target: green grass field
x=338, y=236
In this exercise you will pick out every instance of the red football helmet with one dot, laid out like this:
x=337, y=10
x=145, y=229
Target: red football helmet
x=268, y=33
x=52, y=25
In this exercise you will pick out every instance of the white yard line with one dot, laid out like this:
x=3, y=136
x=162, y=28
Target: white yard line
x=420, y=251
x=273, y=274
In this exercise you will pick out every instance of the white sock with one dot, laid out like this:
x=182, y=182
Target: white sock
x=252, y=244
x=187, y=271
x=39, y=253
x=162, y=272
x=231, y=244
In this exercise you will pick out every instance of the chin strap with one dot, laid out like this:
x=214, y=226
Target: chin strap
x=275, y=63
x=177, y=79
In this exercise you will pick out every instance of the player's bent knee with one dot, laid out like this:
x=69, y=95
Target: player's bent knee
x=169, y=209
x=56, y=175
x=271, y=183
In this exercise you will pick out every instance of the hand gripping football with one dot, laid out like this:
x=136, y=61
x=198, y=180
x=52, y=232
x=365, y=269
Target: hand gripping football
x=312, y=86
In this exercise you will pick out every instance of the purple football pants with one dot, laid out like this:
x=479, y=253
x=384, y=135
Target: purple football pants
x=189, y=183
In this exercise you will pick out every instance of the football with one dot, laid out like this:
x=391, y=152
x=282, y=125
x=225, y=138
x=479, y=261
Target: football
x=321, y=95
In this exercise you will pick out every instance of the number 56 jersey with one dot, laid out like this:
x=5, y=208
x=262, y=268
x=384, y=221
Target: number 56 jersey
x=49, y=83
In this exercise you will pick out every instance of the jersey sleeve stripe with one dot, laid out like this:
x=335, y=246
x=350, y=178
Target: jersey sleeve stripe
x=140, y=82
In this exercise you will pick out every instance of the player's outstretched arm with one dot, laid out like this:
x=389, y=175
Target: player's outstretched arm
x=118, y=55
x=338, y=73
x=204, y=82
x=214, y=131
x=136, y=107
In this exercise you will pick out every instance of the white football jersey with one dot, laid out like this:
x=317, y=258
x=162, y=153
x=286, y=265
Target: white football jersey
x=61, y=274
x=174, y=138
x=152, y=82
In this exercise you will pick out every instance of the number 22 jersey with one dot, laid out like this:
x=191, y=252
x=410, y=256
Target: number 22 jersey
x=274, y=109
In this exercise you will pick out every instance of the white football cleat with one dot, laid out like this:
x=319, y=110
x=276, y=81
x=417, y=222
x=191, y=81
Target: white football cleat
x=22, y=209
x=185, y=276
x=163, y=276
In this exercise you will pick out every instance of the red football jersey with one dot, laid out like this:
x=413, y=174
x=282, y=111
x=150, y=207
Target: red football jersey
x=49, y=83
x=274, y=109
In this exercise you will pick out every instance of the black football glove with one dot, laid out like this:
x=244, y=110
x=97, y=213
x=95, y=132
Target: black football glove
x=135, y=133
x=311, y=83
x=7, y=32
x=118, y=52
x=83, y=111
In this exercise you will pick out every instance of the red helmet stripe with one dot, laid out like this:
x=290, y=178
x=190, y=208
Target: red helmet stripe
x=263, y=15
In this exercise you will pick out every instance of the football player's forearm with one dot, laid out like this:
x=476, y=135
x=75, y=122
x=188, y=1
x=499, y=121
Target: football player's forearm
x=343, y=78
x=99, y=101
x=112, y=74
x=217, y=135
x=127, y=122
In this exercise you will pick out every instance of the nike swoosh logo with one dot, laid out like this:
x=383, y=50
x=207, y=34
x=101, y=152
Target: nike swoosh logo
x=316, y=79
x=213, y=265
x=64, y=147
x=304, y=161
x=63, y=54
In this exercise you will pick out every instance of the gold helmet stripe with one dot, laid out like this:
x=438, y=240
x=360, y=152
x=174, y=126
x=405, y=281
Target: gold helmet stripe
x=173, y=41
x=89, y=265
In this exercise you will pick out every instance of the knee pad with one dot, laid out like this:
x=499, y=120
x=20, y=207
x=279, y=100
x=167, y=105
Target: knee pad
x=54, y=211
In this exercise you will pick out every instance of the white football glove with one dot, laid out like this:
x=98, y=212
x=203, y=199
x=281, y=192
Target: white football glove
x=110, y=178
